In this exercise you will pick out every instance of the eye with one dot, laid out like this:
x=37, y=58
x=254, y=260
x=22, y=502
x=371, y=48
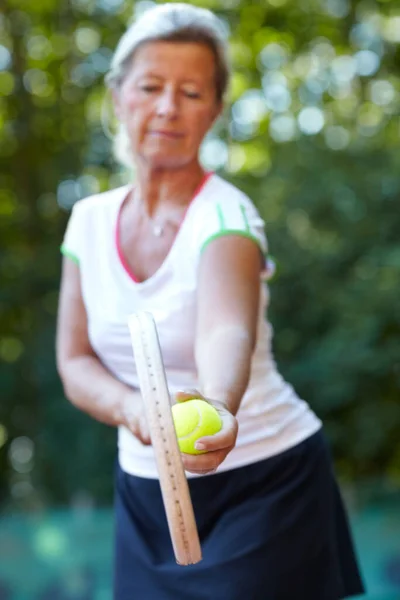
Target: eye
x=191, y=94
x=149, y=89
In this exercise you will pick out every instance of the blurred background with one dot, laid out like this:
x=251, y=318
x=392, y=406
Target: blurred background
x=312, y=134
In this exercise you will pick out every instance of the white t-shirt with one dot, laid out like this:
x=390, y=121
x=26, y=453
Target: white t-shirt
x=272, y=418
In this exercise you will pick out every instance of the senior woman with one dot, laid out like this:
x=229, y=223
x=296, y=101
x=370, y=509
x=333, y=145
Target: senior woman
x=189, y=247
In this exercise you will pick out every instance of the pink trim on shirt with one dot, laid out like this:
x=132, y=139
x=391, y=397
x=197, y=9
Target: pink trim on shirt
x=121, y=256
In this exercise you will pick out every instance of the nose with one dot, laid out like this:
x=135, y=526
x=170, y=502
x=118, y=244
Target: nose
x=167, y=105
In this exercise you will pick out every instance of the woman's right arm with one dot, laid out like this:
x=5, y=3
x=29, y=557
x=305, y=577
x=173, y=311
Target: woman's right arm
x=87, y=383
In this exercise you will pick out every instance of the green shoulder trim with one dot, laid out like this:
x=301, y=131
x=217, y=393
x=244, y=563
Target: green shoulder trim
x=69, y=254
x=221, y=217
x=245, y=219
x=225, y=232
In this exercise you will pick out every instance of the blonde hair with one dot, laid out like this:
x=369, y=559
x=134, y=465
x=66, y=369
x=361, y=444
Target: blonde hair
x=174, y=22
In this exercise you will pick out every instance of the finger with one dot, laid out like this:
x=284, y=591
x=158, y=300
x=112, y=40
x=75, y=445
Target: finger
x=207, y=472
x=141, y=431
x=183, y=396
x=218, y=441
x=144, y=431
x=144, y=438
x=225, y=438
x=203, y=463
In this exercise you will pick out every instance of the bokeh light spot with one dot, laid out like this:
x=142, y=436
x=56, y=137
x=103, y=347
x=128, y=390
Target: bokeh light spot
x=11, y=349
x=311, y=120
x=5, y=58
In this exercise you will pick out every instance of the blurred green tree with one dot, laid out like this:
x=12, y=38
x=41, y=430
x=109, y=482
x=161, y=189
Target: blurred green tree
x=311, y=133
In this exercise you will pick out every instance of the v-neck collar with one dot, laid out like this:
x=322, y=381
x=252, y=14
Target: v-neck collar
x=117, y=233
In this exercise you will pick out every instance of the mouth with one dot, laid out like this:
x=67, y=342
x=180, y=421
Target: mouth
x=162, y=133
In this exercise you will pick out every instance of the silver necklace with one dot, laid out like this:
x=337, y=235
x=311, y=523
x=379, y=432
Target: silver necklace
x=157, y=228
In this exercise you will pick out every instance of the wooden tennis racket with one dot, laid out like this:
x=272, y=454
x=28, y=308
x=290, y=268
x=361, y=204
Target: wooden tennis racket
x=156, y=397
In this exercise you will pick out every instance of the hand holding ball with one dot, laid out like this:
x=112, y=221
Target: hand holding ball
x=194, y=419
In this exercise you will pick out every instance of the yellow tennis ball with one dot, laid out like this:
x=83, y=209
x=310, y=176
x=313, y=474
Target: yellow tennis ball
x=194, y=419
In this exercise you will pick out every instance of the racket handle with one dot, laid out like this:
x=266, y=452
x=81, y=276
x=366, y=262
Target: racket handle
x=174, y=486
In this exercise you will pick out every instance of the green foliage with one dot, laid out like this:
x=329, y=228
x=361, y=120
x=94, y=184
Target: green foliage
x=313, y=137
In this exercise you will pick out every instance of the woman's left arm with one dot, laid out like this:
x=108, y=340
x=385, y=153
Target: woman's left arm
x=226, y=330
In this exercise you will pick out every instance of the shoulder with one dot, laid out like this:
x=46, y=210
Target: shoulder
x=225, y=210
x=224, y=193
x=89, y=217
x=228, y=204
x=101, y=203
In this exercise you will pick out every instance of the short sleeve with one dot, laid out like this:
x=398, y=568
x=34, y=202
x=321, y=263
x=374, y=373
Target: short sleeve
x=72, y=242
x=235, y=215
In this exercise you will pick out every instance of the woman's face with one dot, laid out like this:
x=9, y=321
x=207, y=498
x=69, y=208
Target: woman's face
x=167, y=102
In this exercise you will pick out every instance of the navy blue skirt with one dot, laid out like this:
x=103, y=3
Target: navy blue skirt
x=273, y=530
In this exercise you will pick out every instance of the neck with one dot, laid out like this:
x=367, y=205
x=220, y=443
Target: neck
x=161, y=190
